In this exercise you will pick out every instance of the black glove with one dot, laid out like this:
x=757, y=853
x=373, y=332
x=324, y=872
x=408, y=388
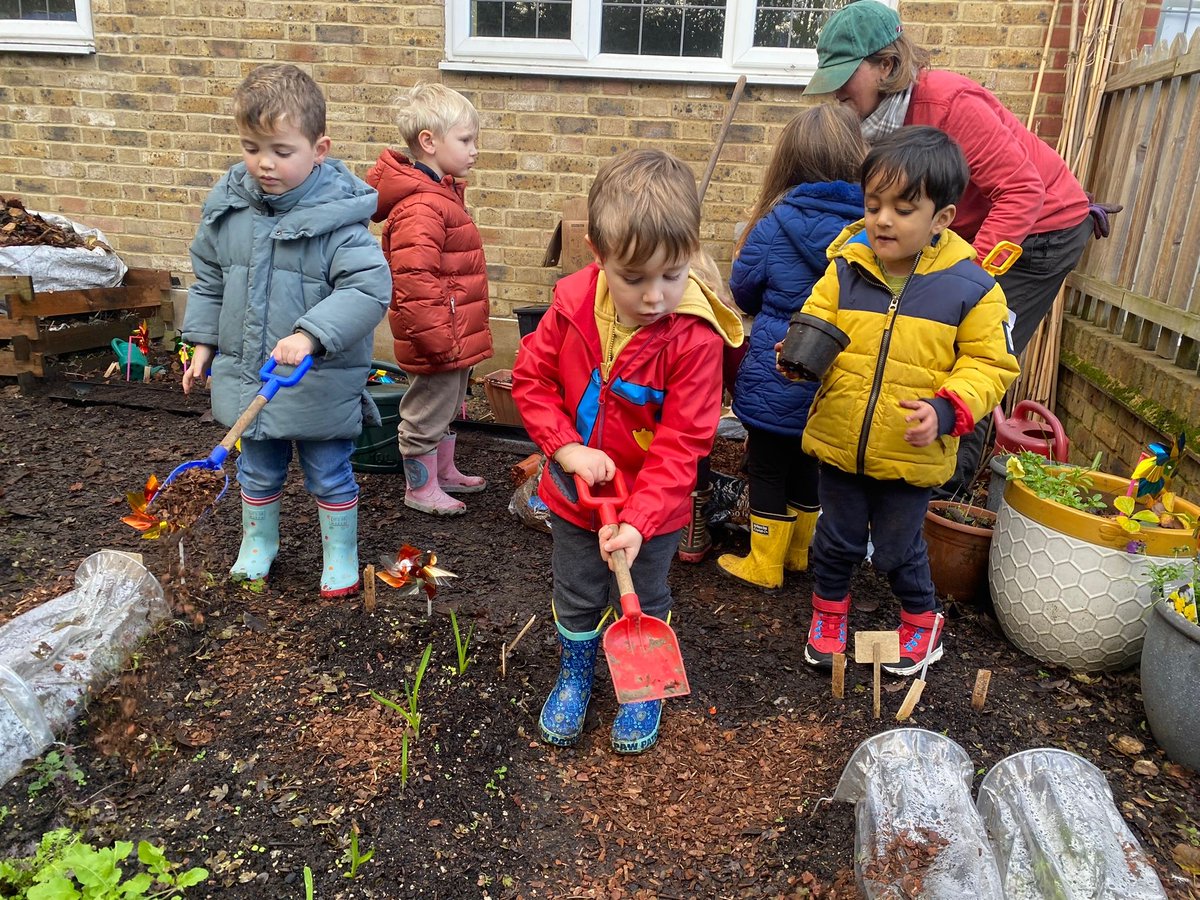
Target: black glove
x=1100, y=213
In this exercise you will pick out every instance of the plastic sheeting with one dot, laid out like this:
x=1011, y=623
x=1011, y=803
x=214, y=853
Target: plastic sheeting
x=1057, y=832
x=53, y=656
x=904, y=784
x=1044, y=827
x=65, y=268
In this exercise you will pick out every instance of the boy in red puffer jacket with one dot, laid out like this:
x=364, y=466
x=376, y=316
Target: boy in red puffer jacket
x=439, y=307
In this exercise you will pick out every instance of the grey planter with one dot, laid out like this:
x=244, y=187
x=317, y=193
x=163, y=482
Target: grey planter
x=1171, y=684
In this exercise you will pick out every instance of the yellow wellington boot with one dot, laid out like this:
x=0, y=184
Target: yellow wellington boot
x=769, y=538
x=796, y=559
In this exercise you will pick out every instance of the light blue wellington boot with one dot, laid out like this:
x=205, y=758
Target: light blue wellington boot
x=561, y=722
x=260, y=539
x=339, y=543
x=635, y=727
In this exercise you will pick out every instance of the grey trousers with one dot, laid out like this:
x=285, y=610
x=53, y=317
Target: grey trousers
x=427, y=408
x=584, y=587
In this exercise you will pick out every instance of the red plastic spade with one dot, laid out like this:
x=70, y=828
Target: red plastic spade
x=643, y=652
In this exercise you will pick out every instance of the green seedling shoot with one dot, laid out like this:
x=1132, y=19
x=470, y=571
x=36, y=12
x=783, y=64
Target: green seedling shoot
x=308, y=884
x=410, y=695
x=354, y=859
x=463, y=644
x=404, y=761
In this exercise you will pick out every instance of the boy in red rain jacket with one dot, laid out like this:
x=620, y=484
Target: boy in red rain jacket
x=623, y=374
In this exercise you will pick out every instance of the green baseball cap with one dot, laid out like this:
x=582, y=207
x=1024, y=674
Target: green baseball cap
x=853, y=33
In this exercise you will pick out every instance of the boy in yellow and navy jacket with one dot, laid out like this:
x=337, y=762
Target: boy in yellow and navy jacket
x=929, y=355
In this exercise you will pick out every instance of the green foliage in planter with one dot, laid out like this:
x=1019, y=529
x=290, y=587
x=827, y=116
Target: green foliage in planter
x=1175, y=581
x=1051, y=481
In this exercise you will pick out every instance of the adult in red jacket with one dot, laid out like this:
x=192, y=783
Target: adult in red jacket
x=1020, y=188
x=438, y=315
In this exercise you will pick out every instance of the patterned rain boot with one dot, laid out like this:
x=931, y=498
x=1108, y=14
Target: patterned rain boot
x=769, y=539
x=339, y=541
x=563, y=714
x=796, y=558
x=915, y=631
x=260, y=538
x=635, y=728
x=695, y=542
x=450, y=479
x=827, y=631
x=423, y=492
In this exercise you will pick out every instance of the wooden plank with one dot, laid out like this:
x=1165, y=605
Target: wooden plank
x=10, y=366
x=1185, y=171
x=1121, y=158
x=1180, y=321
x=1151, y=200
x=10, y=328
x=92, y=335
x=1136, y=180
x=143, y=288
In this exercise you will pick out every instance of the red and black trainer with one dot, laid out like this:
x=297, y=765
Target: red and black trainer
x=915, y=631
x=827, y=632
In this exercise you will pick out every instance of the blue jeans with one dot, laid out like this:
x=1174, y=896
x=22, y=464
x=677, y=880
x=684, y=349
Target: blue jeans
x=890, y=513
x=262, y=468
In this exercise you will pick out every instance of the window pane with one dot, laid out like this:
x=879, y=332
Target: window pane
x=791, y=23
x=549, y=19
x=693, y=28
x=1178, y=17
x=58, y=10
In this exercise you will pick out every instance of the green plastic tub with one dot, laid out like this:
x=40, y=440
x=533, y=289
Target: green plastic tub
x=376, y=449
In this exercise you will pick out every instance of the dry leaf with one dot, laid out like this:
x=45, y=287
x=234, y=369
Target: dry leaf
x=1187, y=858
x=1145, y=767
x=1130, y=746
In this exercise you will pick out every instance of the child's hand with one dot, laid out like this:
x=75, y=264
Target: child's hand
x=592, y=465
x=924, y=422
x=197, y=369
x=293, y=348
x=620, y=537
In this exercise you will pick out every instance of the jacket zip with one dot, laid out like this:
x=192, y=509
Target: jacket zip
x=860, y=461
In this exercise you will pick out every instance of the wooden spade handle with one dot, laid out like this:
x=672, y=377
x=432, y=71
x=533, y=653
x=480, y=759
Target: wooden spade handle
x=716, y=152
x=243, y=421
x=624, y=579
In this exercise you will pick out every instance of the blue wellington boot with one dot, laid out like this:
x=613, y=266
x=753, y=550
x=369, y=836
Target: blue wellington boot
x=339, y=545
x=561, y=721
x=635, y=727
x=260, y=538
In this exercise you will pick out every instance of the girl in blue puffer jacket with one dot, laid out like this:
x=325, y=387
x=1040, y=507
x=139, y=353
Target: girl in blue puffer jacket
x=810, y=193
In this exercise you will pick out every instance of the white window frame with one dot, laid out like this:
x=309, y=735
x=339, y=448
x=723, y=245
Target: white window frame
x=50, y=36
x=580, y=54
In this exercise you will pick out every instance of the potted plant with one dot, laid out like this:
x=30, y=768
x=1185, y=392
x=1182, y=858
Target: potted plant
x=1069, y=557
x=1170, y=661
x=959, y=536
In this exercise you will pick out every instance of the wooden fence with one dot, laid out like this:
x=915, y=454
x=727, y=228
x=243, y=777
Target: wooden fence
x=1141, y=283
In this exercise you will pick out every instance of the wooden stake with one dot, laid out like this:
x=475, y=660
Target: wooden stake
x=839, y=675
x=113, y=369
x=506, y=649
x=369, y=588
x=913, y=697
x=983, y=679
x=876, y=647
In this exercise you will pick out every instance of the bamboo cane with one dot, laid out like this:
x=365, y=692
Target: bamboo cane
x=1037, y=84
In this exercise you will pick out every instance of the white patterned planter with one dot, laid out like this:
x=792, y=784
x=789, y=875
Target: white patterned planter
x=1067, y=591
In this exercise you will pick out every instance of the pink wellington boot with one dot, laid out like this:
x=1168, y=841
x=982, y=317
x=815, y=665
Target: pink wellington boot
x=450, y=479
x=424, y=493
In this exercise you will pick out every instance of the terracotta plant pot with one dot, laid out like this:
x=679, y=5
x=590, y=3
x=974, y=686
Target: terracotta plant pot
x=1066, y=588
x=958, y=552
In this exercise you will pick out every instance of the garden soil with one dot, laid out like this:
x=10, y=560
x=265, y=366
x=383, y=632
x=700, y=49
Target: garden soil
x=244, y=736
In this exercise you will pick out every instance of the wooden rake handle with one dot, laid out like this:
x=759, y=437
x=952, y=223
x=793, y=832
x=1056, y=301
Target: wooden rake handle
x=734, y=98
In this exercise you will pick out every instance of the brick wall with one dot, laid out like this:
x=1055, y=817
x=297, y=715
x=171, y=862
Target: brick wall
x=130, y=139
x=1115, y=398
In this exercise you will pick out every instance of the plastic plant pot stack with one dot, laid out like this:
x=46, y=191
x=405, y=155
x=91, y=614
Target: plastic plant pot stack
x=917, y=832
x=53, y=656
x=1057, y=833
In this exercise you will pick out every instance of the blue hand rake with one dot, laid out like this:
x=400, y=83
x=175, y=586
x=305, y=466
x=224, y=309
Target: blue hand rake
x=216, y=459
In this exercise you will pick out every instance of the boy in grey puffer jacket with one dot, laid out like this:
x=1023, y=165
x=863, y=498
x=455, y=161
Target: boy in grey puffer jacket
x=286, y=268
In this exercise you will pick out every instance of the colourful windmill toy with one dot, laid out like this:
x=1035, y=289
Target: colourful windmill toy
x=412, y=570
x=151, y=525
x=1156, y=469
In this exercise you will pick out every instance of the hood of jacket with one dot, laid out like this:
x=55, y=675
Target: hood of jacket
x=330, y=198
x=396, y=178
x=834, y=198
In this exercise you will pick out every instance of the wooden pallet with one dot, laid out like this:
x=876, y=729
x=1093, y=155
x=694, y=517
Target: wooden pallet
x=26, y=338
